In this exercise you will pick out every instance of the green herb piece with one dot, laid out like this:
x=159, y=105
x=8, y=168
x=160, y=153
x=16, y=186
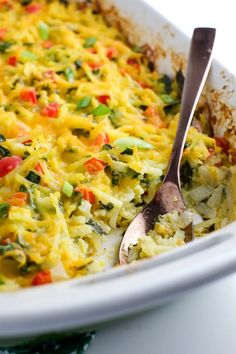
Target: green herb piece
x=28, y=56
x=97, y=228
x=114, y=116
x=44, y=31
x=186, y=174
x=107, y=207
x=68, y=189
x=4, y=46
x=23, y=189
x=130, y=141
x=2, y=138
x=4, y=210
x=33, y=177
x=6, y=248
x=167, y=99
x=101, y=110
x=25, y=2
x=78, y=197
x=166, y=80
x=115, y=178
x=84, y=102
x=81, y=132
x=69, y=74
x=107, y=147
x=132, y=173
x=89, y=42
x=4, y=152
x=127, y=151
x=78, y=64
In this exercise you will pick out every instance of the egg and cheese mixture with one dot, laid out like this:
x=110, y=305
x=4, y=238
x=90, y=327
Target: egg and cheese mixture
x=86, y=129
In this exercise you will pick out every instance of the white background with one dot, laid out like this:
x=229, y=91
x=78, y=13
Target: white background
x=203, y=321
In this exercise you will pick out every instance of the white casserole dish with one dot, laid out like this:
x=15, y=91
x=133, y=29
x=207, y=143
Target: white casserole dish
x=84, y=303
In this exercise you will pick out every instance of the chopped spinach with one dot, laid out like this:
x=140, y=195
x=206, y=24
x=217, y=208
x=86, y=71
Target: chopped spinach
x=78, y=64
x=2, y=138
x=33, y=177
x=4, y=46
x=107, y=147
x=6, y=248
x=4, y=210
x=132, y=173
x=186, y=174
x=166, y=80
x=127, y=151
x=115, y=178
x=4, y=152
x=81, y=132
x=97, y=228
x=107, y=207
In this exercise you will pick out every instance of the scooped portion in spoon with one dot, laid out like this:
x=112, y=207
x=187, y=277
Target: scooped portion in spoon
x=168, y=203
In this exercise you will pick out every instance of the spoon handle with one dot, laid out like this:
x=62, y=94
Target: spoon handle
x=200, y=57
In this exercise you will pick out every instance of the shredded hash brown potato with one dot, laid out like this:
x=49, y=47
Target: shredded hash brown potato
x=86, y=129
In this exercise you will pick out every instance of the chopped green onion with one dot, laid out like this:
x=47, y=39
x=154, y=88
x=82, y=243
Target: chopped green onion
x=4, y=210
x=68, y=189
x=69, y=73
x=130, y=141
x=97, y=228
x=2, y=138
x=89, y=42
x=101, y=110
x=84, y=102
x=4, y=46
x=43, y=31
x=4, y=152
x=167, y=99
x=28, y=56
x=33, y=177
x=6, y=248
x=127, y=151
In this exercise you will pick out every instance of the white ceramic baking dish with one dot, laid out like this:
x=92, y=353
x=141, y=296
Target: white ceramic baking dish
x=86, y=302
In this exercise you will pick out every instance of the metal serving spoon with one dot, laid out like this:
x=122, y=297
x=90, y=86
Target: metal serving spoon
x=168, y=197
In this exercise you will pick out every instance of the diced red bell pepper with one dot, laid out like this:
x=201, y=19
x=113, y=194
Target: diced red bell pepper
x=223, y=143
x=94, y=165
x=47, y=44
x=3, y=32
x=103, y=99
x=101, y=139
x=94, y=66
x=51, y=110
x=39, y=168
x=42, y=278
x=18, y=199
x=111, y=53
x=134, y=62
x=86, y=194
x=7, y=164
x=33, y=8
x=12, y=61
x=29, y=95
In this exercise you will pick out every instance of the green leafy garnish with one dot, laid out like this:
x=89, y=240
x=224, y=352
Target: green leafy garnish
x=68, y=189
x=78, y=63
x=107, y=147
x=167, y=99
x=6, y=248
x=166, y=80
x=81, y=132
x=84, y=102
x=69, y=74
x=89, y=42
x=97, y=228
x=2, y=138
x=4, y=152
x=43, y=31
x=4, y=210
x=101, y=110
x=107, y=207
x=33, y=177
x=4, y=46
x=127, y=151
x=186, y=174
